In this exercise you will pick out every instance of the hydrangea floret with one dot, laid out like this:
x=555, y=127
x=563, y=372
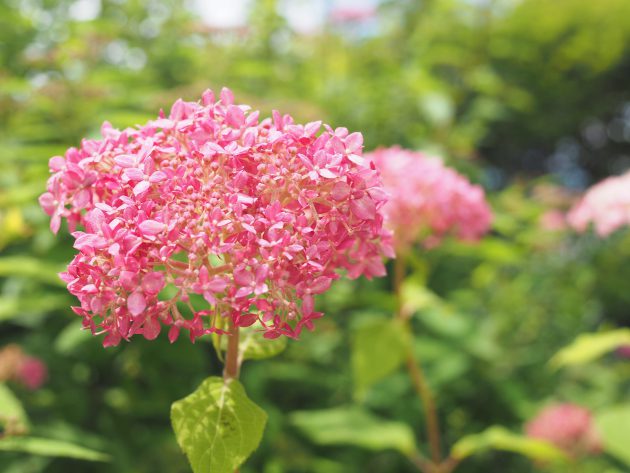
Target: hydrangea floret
x=251, y=217
x=428, y=200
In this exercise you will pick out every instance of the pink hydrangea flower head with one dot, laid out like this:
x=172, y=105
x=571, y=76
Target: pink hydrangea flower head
x=210, y=213
x=428, y=200
x=606, y=205
x=569, y=427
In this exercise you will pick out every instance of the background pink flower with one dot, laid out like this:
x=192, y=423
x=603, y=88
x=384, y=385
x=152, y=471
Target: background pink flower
x=428, y=200
x=567, y=426
x=16, y=365
x=209, y=213
x=606, y=205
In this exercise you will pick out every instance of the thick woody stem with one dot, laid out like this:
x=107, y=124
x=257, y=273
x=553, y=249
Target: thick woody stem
x=231, y=369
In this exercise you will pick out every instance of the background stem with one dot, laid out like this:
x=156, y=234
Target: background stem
x=415, y=370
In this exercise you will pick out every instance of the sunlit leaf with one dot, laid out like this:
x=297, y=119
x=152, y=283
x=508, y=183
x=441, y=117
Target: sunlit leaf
x=589, y=347
x=217, y=426
x=378, y=349
x=354, y=426
x=12, y=414
x=32, y=268
x=614, y=426
x=50, y=448
x=499, y=438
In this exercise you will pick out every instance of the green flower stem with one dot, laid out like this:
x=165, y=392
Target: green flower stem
x=416, y=373
x=231, y=368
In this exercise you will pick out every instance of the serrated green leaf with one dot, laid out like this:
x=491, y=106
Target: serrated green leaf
x=217, y=426
x=354, y=426
x=589, y=347
x=614, y=426
x=378, y=349
x=499, y=438
x=50, y=448
x=11, y=410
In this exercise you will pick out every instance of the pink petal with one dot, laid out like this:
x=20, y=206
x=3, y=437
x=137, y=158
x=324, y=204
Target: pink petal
x=173, y=333
x=136, y=303
x=363, y=208
x=140, y=187
x=56, y=163
x=153, y=283
x=327, y=173
x=235, y=117
x=158, y=176
x=151, y=328
x=354, y=142
x=151, y=227
x=227, y=97
x=125, y=160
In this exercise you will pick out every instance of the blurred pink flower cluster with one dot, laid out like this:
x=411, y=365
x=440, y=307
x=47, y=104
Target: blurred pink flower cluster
x=606, y=205
x=256, y=217
x=569, y=427
x=428, y=200
x=15, y=365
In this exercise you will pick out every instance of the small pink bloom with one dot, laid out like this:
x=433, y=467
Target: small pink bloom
x=606, y=206
x=32, y=372
x=567, y=426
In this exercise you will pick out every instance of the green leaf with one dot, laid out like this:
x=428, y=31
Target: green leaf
x=354, y=426
x=614, y=426
x=71, y=338
x=217, y=426
x=252, y=344
x=32, y=268
x=378, y=349
x=589, y=347
x=11, y=411
x=499, y=438
x=50, y=448
x=17, y=307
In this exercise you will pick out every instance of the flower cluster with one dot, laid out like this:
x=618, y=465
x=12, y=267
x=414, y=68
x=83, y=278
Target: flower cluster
x=15, y=365
x=567, y=426
x=211, y=213
x=606, y=205
x=428, y=200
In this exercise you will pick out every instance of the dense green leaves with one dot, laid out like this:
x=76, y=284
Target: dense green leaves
x=50, y=448
x=498, y=438
x=614, y=426
x=217, y=426
x=589, y=347
x=354, y=426
x=378, y=349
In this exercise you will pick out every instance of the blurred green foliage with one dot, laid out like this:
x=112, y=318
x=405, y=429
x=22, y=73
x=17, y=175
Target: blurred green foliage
x=498, y=87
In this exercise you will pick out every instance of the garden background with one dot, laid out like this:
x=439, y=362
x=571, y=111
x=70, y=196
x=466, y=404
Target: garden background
x=529, y=98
